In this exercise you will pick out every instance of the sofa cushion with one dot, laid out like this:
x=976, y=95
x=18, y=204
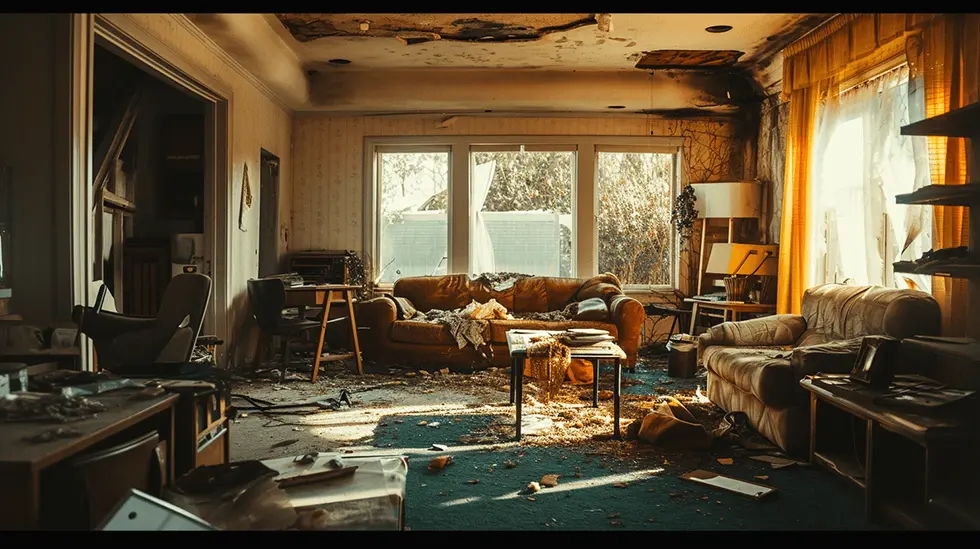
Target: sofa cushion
x=446, y=292
x=765, y=372
x=531, y=295
x=594, y=309
x=422, y=333
x=498, y=328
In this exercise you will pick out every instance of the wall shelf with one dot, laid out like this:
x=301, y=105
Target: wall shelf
x=942, y=195
x=952, y=270
x=962, y=122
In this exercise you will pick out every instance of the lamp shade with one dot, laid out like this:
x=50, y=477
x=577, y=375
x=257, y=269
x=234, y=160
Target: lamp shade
x=729, y=199
x=726, y=258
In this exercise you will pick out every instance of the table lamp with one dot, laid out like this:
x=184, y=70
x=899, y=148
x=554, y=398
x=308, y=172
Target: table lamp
x=741, y=262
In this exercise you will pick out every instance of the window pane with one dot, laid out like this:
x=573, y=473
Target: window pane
x=413, y=219
x=524, y=219
x=633, y=222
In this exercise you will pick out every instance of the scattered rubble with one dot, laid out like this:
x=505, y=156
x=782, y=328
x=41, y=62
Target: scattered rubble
x=440, y=463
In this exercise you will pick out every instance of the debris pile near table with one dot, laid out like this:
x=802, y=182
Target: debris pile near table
x=48, y=407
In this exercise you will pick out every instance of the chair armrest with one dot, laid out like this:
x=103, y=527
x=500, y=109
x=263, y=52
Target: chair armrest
x=775, y=330
x=108, y=324
x=628, y=316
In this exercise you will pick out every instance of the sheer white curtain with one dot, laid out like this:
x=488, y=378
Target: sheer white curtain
x=861, y=161
x=481, y=246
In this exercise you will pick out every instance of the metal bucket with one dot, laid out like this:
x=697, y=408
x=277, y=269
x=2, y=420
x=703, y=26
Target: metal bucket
x=682, y=359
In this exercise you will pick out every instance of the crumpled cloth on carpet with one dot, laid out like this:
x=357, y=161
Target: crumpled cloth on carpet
x=671, y=425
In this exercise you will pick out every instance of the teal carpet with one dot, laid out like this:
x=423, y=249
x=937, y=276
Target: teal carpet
x=641, y=492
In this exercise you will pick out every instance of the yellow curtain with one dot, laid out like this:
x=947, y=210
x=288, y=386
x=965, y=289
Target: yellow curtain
x=941, y=61
x=791, y=279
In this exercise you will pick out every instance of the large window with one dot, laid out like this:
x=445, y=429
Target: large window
x=633, y=223
x=550, y=206
x=861, y=162
x=522, y=203
x=413, y=221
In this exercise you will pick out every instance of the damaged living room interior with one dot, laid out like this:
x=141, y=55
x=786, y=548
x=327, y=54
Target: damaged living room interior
x=489, y=271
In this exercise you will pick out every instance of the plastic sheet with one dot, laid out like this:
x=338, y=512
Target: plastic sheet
x=234, y=496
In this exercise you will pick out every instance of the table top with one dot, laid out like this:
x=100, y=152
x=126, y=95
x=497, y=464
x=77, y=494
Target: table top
x=733, y=305
x=122, y=410
x=517, y=346
x=322, y=287
x=859, y=402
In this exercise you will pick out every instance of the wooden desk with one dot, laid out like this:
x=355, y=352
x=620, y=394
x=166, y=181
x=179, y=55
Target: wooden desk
x=728, y=308
x=325, y=296
x=21, y=462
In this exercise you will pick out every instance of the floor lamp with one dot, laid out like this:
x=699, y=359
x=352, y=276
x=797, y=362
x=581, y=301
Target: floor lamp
x=725, y=200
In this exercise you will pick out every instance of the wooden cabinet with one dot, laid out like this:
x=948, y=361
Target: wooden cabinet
x=202, y=430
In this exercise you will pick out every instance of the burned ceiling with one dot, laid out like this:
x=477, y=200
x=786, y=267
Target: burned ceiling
x=477, y=62
x=688, y=59
x=415, y=28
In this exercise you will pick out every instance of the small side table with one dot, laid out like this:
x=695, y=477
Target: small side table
x=517, y=347
x=728, y=308
x=327, y=294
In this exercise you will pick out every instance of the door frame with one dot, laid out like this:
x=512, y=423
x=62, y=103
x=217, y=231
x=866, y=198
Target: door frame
x=121, y=35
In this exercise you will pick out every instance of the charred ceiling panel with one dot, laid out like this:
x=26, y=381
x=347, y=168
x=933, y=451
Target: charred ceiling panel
x=688, y=59
x=415, y=28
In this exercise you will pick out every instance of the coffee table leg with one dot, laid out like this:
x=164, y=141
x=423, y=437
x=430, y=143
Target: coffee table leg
x=513, y=378
x=595, y=382
x=519, y=386
x=616, y=391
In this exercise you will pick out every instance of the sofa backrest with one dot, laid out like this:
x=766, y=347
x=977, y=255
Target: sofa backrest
x=536, y=294
x=835, y=311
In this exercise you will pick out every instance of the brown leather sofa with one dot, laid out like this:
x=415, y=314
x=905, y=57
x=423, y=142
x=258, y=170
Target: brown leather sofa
x=385, y=337
x=755, y=366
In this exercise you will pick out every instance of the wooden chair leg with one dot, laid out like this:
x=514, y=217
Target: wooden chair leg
x=353, y=327
x=287, y=348
x=263, y=345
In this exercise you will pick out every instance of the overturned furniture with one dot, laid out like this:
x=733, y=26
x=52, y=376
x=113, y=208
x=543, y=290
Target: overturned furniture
x=755, y=366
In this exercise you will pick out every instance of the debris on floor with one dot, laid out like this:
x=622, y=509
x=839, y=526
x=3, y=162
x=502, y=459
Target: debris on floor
x=440, y=463
x=722, y=482
x=775, y=462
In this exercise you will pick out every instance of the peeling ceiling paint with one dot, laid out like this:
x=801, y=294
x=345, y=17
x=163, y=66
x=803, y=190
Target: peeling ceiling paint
x=414, y=56
x=416, y=28
x=686, y=59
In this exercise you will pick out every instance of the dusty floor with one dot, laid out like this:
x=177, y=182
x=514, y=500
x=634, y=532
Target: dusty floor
x=567, y=421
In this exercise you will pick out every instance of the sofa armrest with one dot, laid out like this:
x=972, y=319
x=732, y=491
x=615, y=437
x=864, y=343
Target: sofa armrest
x=835, y=357
x=628, y=316
x=378, y=314
x=767, y=331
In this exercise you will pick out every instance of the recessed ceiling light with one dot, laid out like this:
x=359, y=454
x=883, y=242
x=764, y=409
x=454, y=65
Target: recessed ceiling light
x=616, y=107
x=719, y=28
x=339, y=62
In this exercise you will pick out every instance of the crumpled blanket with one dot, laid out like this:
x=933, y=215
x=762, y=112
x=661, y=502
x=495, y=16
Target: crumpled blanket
x=467, y=325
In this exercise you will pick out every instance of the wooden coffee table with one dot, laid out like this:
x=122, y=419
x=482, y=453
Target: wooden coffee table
x=517, y=341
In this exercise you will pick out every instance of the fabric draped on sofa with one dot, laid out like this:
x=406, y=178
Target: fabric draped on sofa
x=535, y=303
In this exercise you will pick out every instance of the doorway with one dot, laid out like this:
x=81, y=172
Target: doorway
x=149, y=162
x=269, y=215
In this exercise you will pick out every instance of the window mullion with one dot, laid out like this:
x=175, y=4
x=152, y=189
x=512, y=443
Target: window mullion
x=459, y=209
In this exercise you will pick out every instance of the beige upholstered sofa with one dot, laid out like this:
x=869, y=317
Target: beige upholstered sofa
x=755, y=366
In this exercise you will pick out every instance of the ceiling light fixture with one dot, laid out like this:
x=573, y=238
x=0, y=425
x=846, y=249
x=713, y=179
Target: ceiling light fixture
x=339, y=62
x=616, y=107
x=365, y=26
x=716, y=29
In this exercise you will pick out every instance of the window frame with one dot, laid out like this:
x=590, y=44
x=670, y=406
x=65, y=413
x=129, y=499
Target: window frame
x=585, y=205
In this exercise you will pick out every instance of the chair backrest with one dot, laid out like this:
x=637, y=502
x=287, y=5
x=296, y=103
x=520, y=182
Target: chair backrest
x=187, y=295
x=268, y=297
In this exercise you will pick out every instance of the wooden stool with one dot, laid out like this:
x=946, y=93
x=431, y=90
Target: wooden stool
x=328, y=291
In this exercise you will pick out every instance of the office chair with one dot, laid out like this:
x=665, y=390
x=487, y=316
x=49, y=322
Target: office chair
x=268, y=297
x=139, y=342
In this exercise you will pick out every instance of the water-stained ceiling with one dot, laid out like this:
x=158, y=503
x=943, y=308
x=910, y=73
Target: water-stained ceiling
x=476, y=62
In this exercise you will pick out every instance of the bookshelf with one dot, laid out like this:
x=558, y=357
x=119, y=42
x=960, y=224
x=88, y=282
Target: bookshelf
x=963, y=122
